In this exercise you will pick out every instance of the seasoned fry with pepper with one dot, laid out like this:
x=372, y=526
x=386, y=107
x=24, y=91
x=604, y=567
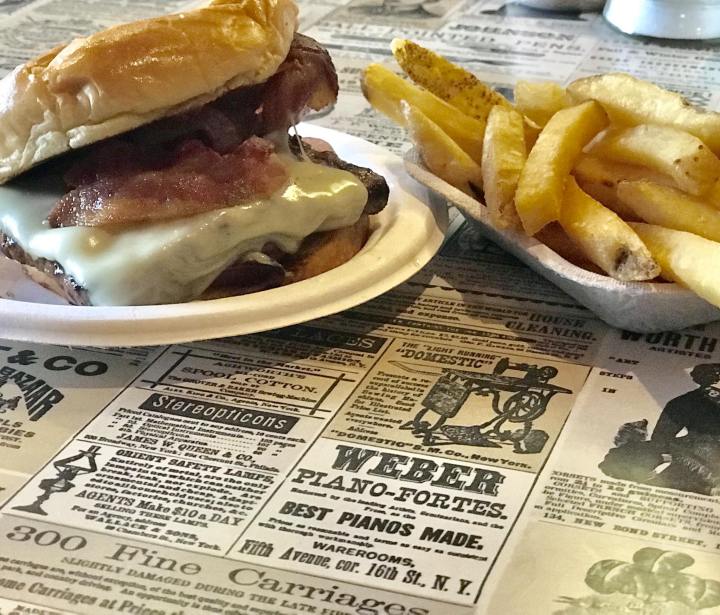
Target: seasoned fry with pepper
x=449, y=81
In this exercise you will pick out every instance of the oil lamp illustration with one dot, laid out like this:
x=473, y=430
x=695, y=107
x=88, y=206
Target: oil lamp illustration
x=68, y=469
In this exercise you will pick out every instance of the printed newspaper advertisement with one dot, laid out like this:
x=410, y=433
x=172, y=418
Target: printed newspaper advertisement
x=388, y=453
x=471, y=442
x=633, y=485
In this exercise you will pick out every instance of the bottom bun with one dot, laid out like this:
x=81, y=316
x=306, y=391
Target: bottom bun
x=324, y=251
x=318, y=253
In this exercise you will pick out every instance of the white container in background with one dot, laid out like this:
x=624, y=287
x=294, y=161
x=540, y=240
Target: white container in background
x=565, y=5
x=677, y=19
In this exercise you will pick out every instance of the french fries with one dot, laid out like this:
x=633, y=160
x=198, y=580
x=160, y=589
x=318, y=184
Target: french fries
x=540, y=100
x=453, y=84
x=593, y=169
x=713, y=195
x=385, y=90
x=667, y=150
x=671, y=208
x=681, y=256
x=542, y=181
x=446, y=80
x=630, y=101
x=600, y=178
x=440, y=153
x=555, y=238
x=604, y=238
x=617, y=175
x=504, y=156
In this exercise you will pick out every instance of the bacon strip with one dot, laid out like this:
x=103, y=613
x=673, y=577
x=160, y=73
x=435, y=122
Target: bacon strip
x=117, y=187
x=203, y=159
x=305, y=80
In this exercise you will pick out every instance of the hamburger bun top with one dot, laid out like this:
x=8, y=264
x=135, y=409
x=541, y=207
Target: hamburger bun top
x=133, y=74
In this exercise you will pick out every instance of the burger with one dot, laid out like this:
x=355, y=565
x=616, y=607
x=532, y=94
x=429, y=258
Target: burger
x=156, y=161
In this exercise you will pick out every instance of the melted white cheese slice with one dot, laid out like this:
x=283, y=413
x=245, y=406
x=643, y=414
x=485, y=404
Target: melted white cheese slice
x=176, y=260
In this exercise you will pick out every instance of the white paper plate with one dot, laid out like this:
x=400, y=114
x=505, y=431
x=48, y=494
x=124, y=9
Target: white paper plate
x=406, y=235
x=636, y=306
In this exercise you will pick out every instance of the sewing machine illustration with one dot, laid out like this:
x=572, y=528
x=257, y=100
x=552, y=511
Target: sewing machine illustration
x=519, y=394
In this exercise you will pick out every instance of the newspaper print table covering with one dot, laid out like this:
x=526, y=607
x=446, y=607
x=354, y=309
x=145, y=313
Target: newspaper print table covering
x=472, y=442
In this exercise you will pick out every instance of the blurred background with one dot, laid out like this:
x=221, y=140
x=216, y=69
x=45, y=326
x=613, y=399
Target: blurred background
x=673, y=19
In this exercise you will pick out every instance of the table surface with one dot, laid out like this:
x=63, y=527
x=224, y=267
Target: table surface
x=327, y=467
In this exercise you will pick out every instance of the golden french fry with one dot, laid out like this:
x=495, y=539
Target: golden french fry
x=532, y=132
x=385, y=90
x=630, y=101
x=540, y=100
x=504, y=156
x=684, y=258
x=594, y=169
x=604, y=237
x=607, y=196
x=713, y=195
x=555, y=238
x=667, y=150
x=440, y=154
x=599, y=178
x=449, y=81
x=540, y=187
x=671, y=208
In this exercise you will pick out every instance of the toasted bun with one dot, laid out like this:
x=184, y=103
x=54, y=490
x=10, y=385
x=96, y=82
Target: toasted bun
x=132, y=74
x=319, y=253
x=324, y=251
